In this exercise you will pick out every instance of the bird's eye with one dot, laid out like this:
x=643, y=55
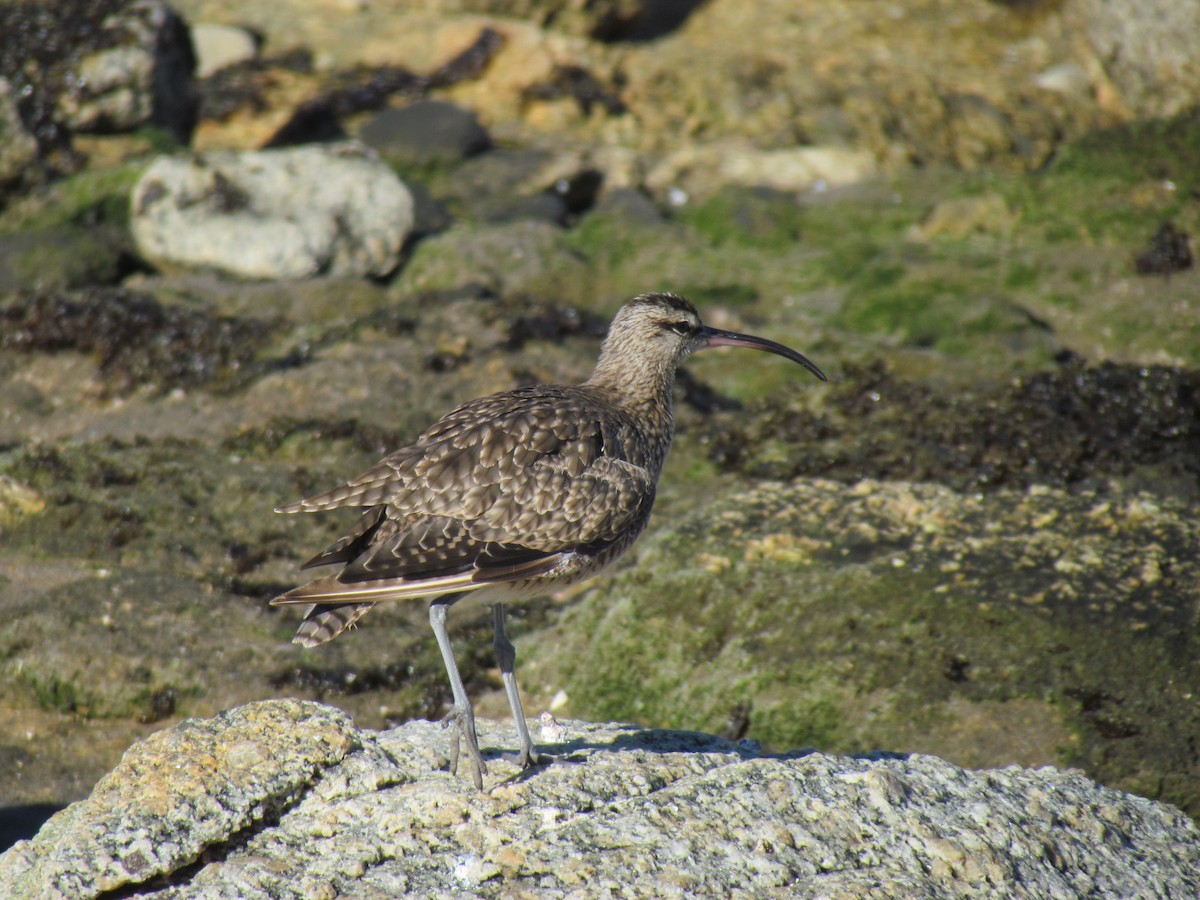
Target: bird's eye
x=680, y=327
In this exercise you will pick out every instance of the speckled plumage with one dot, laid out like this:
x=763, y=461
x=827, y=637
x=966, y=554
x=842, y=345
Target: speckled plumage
x=514, y=494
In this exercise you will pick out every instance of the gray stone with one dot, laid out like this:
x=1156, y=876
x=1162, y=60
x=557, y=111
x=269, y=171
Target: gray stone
x=492, y=182
x=524, y=256
x=291, y=213
x=629, y=204
x=425, y=131
x=1148, y=50
x=62, y=257
x=287, y=799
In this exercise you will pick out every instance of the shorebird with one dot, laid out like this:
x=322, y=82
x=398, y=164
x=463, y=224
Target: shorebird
x=513, y=495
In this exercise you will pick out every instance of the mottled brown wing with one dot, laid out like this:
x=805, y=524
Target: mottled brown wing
x=540, y=470
x=418, y=547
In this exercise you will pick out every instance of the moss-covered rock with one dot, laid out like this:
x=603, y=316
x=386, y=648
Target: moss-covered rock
x=1035, y=627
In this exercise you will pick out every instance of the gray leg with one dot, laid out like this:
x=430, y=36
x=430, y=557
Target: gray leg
x=506, y=656
x=461, y=716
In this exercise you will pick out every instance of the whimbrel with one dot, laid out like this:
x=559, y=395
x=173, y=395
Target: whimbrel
x=513, y=495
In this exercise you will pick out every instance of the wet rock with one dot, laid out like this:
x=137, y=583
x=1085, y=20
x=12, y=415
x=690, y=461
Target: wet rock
x=544, y=206
x=577, y=190
x=108, y=65
x=492, y=182
x=424, y=132
x=63, y=257
x=18, y=147
x=1071, y=426
x=561, y=202
x=136, y=340
x=629, y=204
x=293, y=213
x=430, y=215
x=289, y=799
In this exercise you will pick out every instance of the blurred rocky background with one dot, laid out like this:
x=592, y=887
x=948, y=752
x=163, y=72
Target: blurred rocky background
x=246, y=248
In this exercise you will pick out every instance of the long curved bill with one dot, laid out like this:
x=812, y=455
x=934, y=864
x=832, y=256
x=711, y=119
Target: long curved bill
x=719, y=338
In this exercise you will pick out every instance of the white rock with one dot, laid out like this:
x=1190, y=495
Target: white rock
x=218, y=46
x=288, y=213
x=702, y=170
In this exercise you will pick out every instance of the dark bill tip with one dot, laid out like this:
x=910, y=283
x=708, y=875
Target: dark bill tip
x=718, y=338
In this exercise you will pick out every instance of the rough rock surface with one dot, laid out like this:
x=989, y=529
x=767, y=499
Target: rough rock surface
x=1039, y=626
x=1147, y=49
x=289, y=799
x=294, y=213
x=18, y=148
x=143, y=73
x=929, y=82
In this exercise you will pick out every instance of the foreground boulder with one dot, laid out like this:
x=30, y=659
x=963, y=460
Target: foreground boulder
x=289, y=799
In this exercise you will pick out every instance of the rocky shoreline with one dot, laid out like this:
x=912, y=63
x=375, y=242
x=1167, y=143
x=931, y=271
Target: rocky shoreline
x=976, y=542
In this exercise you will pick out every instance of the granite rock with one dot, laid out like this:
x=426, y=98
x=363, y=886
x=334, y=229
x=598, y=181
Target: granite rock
x=288, y=799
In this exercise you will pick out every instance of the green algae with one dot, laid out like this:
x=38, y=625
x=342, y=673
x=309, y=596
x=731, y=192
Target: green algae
x=907, y=618
x=1038, y=268
x=86, y=198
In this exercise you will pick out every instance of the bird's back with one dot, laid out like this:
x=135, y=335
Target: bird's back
x=547, y=473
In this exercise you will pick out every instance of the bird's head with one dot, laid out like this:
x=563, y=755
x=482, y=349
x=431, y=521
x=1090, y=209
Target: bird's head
x=660, y=330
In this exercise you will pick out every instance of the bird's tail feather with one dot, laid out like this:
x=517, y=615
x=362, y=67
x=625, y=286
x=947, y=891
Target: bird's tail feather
x=325, y=621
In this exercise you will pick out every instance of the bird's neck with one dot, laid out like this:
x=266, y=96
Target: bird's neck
x=642, y=388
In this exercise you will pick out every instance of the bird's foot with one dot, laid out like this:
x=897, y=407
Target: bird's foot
x=463, y=725
x=527, y=758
